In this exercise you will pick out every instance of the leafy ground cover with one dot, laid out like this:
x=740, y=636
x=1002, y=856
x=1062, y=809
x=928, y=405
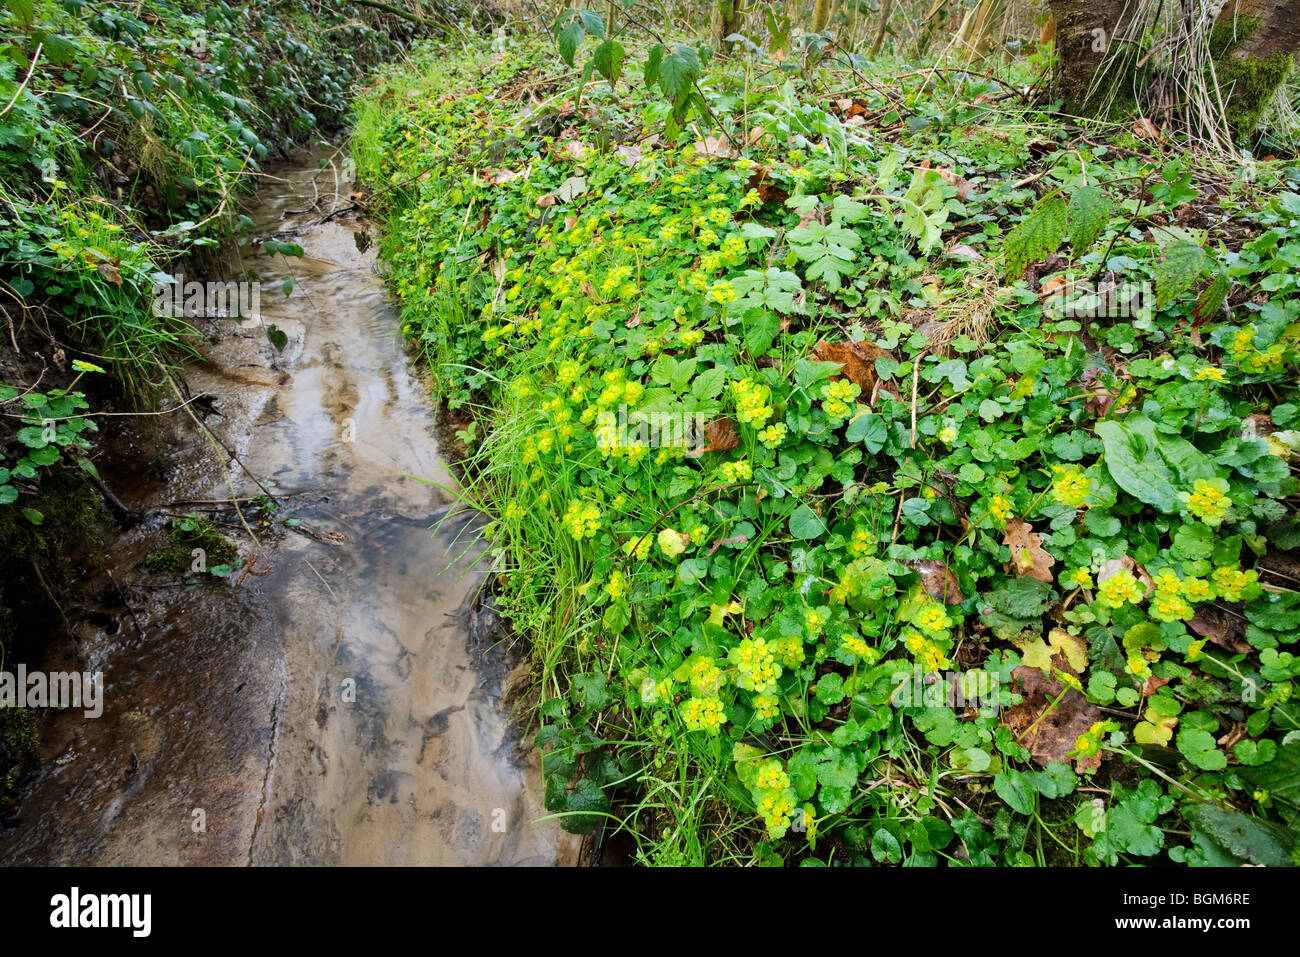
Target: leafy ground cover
x=984, y=553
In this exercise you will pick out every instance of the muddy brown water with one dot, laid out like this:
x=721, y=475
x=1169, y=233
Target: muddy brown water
x=335, y=708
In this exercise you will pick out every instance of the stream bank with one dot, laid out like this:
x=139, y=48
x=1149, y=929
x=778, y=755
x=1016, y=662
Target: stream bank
x=326, y=703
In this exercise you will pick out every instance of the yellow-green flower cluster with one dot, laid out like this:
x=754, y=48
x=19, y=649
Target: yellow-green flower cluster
x=753, y=402
x=1234, y=584
x=582, y=519
x=838, y=398
x=756, y=665
x=1208, y=500
x=1119, y=589
x=1070, y=486
x=925, y=651
x=702, y=714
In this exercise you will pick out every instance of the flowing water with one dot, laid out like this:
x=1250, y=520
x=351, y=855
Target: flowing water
x=333, y=704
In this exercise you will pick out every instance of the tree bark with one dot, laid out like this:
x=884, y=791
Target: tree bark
x=1255, y=43
x=1084, y=30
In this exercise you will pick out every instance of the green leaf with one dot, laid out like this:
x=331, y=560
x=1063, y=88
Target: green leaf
x=1211, y=298
x=1247, y=838
x=276, y=336
x=806, y=524
x=1036, y=237
x=1014, y=788
x=677, y=71
x=568, y=40
x=1137, y=469
x=592, y=22
x=869, y=429
x=652, y=61
x=44, y=457
x=608, y=58
x=8, y=494
x=1180, y=264
x=33, y=516
x=1088, y=213
x=1280, y=777
x=1200, y=749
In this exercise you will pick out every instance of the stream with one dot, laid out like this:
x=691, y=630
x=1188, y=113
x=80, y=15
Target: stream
x=337, y=702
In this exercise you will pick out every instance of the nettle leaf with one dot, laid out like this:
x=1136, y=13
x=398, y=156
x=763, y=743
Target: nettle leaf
x=592, y=22
x=1036, y=237
x=568, y=39
x=1180, y=264
x=608, y=58
x=1212, y=297
x=1088, y=213
x=773, y=288
x=677, y=71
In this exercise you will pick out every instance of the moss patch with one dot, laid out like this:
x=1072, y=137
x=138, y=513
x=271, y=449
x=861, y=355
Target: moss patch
x=187, y=534
x=1253, y=81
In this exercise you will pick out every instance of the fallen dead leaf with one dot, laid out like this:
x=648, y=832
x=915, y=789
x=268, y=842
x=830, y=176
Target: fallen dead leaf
x=1057, y=733
x=714, y=146
x=1027, y=554
x=546, y=200
x=1145, y=129
x=858, y=363
x=938, y=580
x=721, y=435
x=964, y=187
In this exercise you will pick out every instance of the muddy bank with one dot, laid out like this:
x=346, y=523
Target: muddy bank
x=327, y=703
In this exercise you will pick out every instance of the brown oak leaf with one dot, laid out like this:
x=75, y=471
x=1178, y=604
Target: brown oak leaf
x=1027, y=554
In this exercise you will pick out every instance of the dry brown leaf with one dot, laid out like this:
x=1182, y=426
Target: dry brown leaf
x=938, y=580
x=1058, y=732
x=1220, y=627
x=721, y=435
x=714, y=146
x=496, y=177
x=110, y=272
x=1145, y=129
x=858, y=363
x=629, y=155
x=546, y=200
x=1027, y=554
x=964, y=187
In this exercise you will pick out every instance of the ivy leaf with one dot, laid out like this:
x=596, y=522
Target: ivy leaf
x=1180, y=264
x=1088, y=213
x=1036, y=237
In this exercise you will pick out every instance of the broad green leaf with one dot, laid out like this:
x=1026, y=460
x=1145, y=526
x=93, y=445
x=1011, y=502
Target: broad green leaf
x=1136, y=469
x=1089, y=211
x=1180, y=264
x=1036, y=237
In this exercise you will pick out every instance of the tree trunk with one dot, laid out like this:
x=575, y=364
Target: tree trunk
x=726, y=21
x=1084, y=29
x=1254, y=43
